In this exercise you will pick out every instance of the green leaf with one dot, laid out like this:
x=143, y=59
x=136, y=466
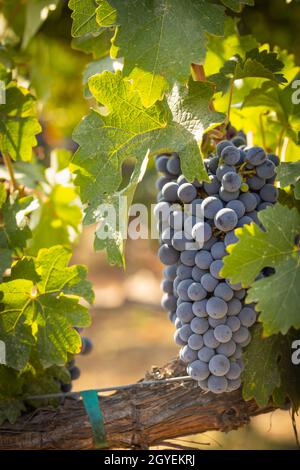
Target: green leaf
x=96, y=67
x=84, y=17
x=18, y=124
x=171, y=35
x=237, y=5
x=16, y=387
x=276, y=296
x=114, y=242
x=261, y=377
x=98, y=44
x=41, y=309
x=10, y=410
x=56, y=277
x=289, y=174
x=257, y=249
x=289, y=372
x=37, y=11
x=59, y=220
x=276, y=376
x=256, y=64
x=280, y=105
x=39, y=381
x=130, y=130
x=15, y=231
x=297, y=190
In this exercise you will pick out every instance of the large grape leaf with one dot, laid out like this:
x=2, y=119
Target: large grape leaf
x=84, y=17
x=276, y=246
x=18, y=123
x=171, y=35
x=39, y=306
x=128, y=129
x=261, y=375
x=289, y=174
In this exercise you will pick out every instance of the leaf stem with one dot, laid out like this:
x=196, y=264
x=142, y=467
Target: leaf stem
x=280, y=138
x=262, y=130
x=230, y=98
x=198, y=72
x=9, y=167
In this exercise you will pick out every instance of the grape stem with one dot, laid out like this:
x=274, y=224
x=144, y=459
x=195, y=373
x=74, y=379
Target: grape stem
x=9, y=167
x=199, y=76
x=230, y=98
x=262, y=130
x=280, y=139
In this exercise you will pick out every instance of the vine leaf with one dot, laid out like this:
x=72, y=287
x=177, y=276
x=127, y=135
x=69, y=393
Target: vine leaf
x=33, y=380
x=172, y=35
x=280, y=102
x=130, y=130
x=275, y=246
x=256, y=64
x=276, y=376
x=15, y=231
x=114, y=241
x=18, y=124
x=84, y=17
x=290, y=373
x=10, y=410
x=280, y=310
x=59, y=219
x=261, y=377
x=127, y=129
x=289, y=174
x=39, y=305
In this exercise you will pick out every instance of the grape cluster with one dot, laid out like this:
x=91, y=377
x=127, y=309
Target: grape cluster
x=86, y=348
x=197, y=222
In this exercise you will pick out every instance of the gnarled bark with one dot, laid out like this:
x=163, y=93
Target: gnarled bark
x=139, y=417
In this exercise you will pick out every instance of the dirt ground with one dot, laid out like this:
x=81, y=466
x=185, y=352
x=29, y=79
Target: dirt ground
x=131, y=333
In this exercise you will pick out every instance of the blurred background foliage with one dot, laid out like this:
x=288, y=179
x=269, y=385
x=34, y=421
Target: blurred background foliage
x=130, y=332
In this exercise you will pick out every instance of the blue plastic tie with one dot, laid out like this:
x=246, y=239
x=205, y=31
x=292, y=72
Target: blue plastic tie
x=92, y=407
